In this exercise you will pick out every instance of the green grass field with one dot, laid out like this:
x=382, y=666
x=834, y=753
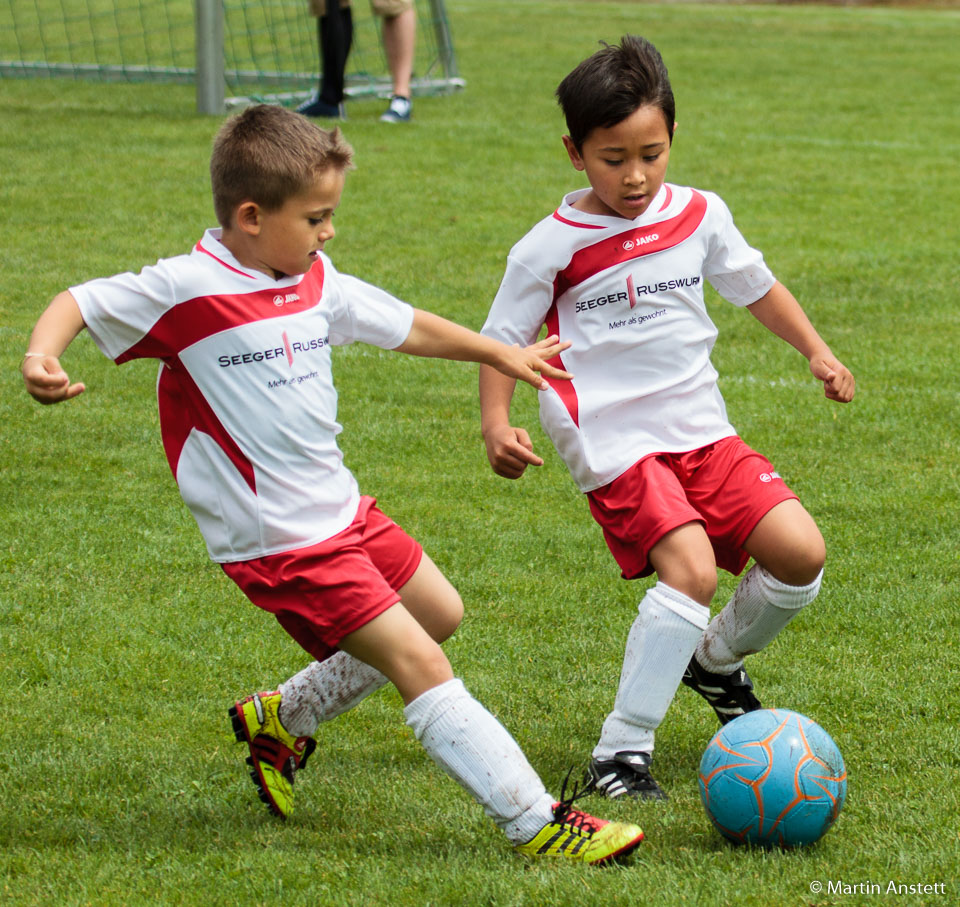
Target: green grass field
x=833, y=134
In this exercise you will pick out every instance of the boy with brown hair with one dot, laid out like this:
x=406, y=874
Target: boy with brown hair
x=243, y=327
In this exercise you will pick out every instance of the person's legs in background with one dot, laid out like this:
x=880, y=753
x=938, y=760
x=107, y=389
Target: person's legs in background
x=399, y=41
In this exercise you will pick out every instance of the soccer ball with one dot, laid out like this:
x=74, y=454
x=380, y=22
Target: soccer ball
x=772, y=777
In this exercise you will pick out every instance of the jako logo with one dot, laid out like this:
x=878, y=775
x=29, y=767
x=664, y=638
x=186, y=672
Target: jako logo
x=769, y=476
x=280, y=299
x=640, y=241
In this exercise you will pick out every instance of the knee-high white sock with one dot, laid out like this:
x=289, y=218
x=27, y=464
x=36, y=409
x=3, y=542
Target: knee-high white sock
x=325, y=689
x=760, y=608
x=659, y=647
x=471, y=746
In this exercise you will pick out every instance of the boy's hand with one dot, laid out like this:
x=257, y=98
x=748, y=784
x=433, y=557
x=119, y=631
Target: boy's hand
x=838, y=382
x=46, y=380
x=510, y=451
x=525, y=363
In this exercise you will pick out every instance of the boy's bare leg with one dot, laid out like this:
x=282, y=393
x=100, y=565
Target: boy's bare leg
x=398, y=646
x=787, y=543
x=325, y=689
x=683, y=559
x=432, y=600
x=458, y=733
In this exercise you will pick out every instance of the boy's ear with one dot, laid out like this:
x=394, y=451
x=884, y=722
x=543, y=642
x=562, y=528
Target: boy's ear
x=572, y=153
x=248, y=218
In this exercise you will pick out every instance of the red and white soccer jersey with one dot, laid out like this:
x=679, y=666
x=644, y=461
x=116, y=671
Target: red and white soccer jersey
x=628, y=294
x=248, y=410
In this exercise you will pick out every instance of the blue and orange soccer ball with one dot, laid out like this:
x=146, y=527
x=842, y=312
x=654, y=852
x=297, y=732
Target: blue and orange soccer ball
x=772, y=777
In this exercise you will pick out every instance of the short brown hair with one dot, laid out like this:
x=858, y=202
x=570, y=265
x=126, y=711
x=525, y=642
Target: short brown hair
x=268, y=154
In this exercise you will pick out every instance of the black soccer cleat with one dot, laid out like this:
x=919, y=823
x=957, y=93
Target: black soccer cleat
x=731, y=695
x=626, y=775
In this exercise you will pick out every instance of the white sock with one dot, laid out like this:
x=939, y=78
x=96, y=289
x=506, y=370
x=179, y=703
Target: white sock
x=760, y=608
x=471, y=746
x=658, y=650
x=325, y=689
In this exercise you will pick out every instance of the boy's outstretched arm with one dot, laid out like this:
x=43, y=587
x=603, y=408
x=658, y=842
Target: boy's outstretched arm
x=431, y=335
x=509, y=449
x=780, y=312
x=43, y=375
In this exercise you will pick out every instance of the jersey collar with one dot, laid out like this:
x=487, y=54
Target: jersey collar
x=577, y=218
x=212, y=245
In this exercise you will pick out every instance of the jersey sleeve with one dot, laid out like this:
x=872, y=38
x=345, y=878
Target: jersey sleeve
x=735, y=269
x=520, y=307
x=366, y=313
x=120, y=310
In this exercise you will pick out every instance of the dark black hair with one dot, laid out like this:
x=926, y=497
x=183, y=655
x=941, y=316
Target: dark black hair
x=610, y=85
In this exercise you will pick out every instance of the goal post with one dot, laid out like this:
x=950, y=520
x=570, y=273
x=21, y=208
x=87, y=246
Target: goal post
x=235, y=51
x=210, y=77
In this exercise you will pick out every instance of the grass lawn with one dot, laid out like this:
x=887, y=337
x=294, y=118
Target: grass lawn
x=833, y=134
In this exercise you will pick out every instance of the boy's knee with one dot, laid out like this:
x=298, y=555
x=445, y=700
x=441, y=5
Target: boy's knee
x=696, y=581
x=449, y=615
x=430, y=669
x=414, y=671
x=684, y=560
x=788, y=544
x=705, y=585
x=802, y=562
x=433, y=601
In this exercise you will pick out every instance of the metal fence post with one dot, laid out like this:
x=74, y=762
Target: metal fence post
x=208, y=31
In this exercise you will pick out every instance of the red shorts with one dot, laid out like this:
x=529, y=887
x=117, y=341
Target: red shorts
x=726, y=486
x=324, y=592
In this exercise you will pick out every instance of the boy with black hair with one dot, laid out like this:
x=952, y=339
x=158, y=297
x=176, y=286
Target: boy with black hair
x=243, y=327
x=618, y=270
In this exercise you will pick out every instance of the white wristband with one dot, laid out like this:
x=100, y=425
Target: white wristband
x=27, y=356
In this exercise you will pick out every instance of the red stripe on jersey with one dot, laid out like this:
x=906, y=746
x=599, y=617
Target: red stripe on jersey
x=564, y=388
x=183, y=408
x=631, y=244
x=573, y=223
x=667, y=199
x=193, y=320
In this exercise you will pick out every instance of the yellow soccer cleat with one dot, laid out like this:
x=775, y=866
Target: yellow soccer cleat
x=275, y=755
x=578, y=836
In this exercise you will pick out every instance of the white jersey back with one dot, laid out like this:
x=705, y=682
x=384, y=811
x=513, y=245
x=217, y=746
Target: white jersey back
x=248, y=410
x=629, y=295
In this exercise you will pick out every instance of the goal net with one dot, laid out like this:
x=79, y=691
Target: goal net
x=234, y=50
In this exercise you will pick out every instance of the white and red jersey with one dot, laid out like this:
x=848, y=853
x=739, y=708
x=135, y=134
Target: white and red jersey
x=248, y=410
x=629, y=295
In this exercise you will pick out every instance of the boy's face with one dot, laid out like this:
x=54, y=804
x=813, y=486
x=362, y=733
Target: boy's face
x=288, y=240
x=626, y=164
